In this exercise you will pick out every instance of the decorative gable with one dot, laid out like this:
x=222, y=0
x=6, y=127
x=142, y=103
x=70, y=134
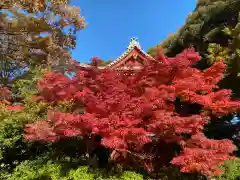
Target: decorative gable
x=133, y=58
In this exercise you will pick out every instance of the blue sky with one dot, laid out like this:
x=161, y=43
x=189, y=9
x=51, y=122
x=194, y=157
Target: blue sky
x=111, y=24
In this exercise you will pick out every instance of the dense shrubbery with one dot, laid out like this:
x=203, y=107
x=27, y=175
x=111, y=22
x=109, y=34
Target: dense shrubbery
x=41, y=170
x=232, y=170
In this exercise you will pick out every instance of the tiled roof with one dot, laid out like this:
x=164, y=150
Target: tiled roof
x=133, y=44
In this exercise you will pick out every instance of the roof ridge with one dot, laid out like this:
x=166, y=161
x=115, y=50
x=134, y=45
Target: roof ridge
x=133, y=43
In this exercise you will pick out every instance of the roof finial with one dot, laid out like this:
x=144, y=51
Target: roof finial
x=134, y=43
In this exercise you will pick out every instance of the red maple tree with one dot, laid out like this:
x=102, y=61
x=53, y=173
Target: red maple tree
x=138, y=117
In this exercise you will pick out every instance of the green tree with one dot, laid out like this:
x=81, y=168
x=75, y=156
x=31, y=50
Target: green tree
x=203, y=26
x=230, y=52
x=36, y=32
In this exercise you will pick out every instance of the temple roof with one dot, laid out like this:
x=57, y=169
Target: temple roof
x=132, y=45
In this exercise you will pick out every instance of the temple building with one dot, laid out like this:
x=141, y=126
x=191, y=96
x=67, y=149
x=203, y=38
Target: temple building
x=132, y=59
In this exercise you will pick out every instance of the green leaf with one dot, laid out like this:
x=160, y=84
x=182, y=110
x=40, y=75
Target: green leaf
x=227, y=31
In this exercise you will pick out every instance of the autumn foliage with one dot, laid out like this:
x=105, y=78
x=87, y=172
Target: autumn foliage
x=135, y=115
x=6, y=100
